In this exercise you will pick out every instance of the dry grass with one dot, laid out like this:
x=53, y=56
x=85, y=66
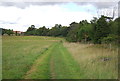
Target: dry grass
x=95, y=61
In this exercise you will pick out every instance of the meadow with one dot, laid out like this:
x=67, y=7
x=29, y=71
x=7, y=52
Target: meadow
x=39, y=57
x=19, y=53
x=96, y=61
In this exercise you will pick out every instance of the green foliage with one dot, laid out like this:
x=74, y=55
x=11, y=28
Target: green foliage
x=101, y=30
x=42, y=31
x=96, y=31
x=31, y=30
x=3, y=31
x=84, y=33
x=117, y=25
x=110, y=38
x=72, y=35
x=7, y=31
x=55, y=31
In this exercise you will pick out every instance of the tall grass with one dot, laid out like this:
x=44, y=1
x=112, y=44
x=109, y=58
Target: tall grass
x=95, y=61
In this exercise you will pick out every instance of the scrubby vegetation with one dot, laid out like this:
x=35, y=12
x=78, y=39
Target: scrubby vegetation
x=95, y=61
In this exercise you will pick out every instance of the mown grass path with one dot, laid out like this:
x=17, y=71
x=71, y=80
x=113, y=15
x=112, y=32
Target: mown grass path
x=20, y=52
x=55, y=63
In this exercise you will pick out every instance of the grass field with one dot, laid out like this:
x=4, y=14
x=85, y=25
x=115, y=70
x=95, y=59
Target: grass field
x=19, y=53
x=35, y=57
x=95, y=61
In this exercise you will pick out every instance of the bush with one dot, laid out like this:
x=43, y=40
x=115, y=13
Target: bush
x=109, y=39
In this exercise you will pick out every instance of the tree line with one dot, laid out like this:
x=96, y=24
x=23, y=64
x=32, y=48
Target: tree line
x=7, y=31
x=97, y=31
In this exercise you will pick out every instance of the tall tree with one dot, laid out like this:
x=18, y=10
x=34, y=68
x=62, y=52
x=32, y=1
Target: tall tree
x=85, y=31
x=31, y=30
x=73, y=32
x=101, y=30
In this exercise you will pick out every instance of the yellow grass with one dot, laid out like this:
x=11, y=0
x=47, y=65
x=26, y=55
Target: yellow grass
x=95, y=61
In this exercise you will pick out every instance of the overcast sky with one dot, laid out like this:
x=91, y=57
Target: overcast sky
x=20, y=15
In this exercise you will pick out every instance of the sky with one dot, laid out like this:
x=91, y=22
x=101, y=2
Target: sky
x=21, y=15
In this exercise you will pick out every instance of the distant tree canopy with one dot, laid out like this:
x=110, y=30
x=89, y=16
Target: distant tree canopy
x=31, y=30
x=7, y=31
x=97, y=31
x=55, y=31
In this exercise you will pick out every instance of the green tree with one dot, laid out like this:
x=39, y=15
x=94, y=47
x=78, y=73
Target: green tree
x=31, y=30
x=85, y=30
x=44, y=31
x=72, y=35
x=3, y=31
x=64, y=31
x=101, y=30
x=56, y=30
x=9, y=32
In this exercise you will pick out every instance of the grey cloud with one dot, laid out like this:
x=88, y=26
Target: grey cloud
x=23, y=5
x=99, y=5
x=105, y=4
x=27, y=4
x=119, y=9
x=7, y=22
